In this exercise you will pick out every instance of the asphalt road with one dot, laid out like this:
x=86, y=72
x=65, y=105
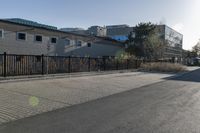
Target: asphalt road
x=170, y=106
x=21, y=99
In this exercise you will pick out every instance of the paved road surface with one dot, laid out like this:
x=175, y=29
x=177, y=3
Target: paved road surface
x=171, y=106
x=27, y=98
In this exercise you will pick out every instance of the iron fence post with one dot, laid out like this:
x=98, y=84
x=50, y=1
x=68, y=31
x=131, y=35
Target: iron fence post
x=104, y=64
x=127, y=63
x=89, y=64
x=69, y=65
x=117, y=65
x=42, y=64
x=47, y=64
x=136, y=63
x=4, y=65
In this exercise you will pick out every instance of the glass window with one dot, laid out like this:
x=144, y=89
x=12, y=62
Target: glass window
x=79, y=43
x=67, y=42
x=38, y=38
x=21, y=36
x=89, y=44
x=53, y=40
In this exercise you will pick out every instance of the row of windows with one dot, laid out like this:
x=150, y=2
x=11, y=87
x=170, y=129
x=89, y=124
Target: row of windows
x=23, y=36
x=39, y=38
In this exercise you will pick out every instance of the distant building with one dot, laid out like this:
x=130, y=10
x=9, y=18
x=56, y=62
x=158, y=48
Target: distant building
x=97, y=31
x=117, y=26
x=79, y=31
x=92, y=31
x=171, y=38
x=119, y=32
x=19, y=36
x=173, y=41
x=71, y=29
x=116, y=32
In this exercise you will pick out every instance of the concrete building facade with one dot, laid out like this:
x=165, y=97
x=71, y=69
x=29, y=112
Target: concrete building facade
x=25, y=38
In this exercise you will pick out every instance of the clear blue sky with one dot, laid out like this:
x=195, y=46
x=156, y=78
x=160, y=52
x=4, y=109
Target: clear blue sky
x=179, y=14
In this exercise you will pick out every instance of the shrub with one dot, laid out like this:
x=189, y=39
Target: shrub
x=163, y=67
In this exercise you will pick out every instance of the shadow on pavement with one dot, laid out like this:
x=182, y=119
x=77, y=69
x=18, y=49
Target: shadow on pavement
x=193, y=76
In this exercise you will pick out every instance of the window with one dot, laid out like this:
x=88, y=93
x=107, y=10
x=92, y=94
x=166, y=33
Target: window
x=67, y=42
x=38, y=38
x=21, y=36
x=1, y=33
x=53, y=40
x=89, y=44
x=78, y=43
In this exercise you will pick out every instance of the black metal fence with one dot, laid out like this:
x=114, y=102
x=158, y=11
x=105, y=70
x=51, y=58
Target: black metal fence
x=15, y=65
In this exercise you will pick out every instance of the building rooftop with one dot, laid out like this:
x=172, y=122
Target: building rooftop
x=117, y=26
x=30, y=23
x=72, y=29
x=25, y=22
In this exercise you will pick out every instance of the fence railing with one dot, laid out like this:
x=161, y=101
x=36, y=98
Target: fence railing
x=15, y=65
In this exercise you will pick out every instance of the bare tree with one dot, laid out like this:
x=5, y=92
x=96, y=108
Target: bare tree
x=196, y=48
